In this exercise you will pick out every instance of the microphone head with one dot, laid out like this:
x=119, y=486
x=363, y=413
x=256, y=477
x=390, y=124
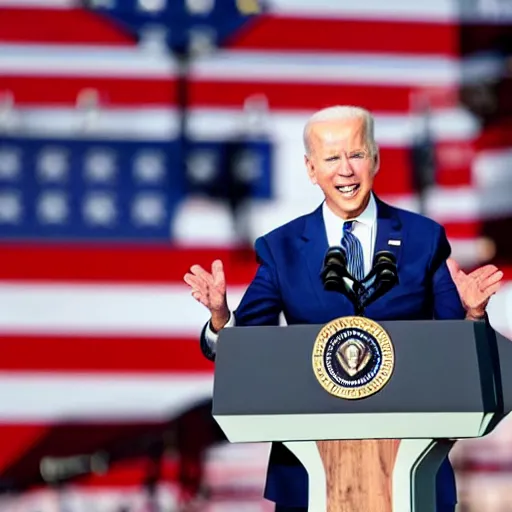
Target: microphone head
x=385, y=268
x=332, y=281
x=335, y=271
x=384, y=257
x=335, y=254
x=388, y=276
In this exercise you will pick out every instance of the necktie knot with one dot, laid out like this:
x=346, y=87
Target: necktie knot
x=348, y=226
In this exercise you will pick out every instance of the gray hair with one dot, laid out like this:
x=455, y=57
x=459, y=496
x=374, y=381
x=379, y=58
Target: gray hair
x=341, y=112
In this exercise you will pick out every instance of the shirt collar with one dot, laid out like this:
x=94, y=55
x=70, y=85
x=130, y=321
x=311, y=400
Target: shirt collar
x=367, y=217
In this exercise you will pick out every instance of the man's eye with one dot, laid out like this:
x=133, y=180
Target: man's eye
x=357, y=155
x=332, y=159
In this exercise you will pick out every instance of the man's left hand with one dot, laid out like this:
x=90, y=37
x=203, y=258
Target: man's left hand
x=476, y=288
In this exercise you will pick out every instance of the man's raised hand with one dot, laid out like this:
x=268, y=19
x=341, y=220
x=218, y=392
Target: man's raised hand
x=210, y=290
x=476, y=288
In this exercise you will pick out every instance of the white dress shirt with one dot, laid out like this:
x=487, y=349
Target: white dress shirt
x=365, y=228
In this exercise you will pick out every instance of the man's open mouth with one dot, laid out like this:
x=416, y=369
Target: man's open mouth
x=349, y=190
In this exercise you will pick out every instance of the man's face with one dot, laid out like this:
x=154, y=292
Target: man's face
x=341, y=164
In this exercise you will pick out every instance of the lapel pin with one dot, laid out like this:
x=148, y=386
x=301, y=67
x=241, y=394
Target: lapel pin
x=394, y=242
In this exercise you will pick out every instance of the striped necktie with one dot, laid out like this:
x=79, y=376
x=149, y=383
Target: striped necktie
x=353, y=251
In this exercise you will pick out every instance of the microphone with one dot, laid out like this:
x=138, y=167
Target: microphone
x=334, y=275
x=386, y=276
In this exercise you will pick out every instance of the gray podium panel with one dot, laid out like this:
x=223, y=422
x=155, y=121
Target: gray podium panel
x=440, y=367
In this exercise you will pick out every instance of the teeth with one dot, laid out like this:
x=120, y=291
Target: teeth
x=348, y=188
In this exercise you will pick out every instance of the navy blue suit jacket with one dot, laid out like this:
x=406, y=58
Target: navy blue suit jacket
x=288, y=280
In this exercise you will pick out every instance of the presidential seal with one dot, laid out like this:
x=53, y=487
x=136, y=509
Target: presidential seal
x=353, y=357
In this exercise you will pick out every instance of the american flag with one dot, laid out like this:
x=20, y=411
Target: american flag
x=98, y=226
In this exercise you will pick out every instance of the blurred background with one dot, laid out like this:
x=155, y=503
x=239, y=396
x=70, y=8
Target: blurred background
x=139, y=137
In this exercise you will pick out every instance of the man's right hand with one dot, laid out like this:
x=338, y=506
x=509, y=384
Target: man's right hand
x=210, y=290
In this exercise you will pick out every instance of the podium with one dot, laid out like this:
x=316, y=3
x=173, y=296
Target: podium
x=451, y=380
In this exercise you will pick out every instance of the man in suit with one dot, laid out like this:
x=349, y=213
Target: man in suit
x=342, y=158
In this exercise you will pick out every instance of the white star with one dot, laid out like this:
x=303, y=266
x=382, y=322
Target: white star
x=11, y=208
x=10, y=163
x=153, y=38
x=100, y=209
x=53, y=164
x=149, y=210
x=248, y=166
x=152, y=5
x=149, y=166
x=202, y=40
x=100, y=166
x=53, y=208
x=202, y=166
x=199, y=6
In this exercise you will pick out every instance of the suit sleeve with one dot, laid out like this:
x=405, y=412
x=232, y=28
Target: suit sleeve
x=447, y=303
x=261, y=303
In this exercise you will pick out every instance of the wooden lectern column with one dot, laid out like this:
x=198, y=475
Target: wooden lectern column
x=359, y=474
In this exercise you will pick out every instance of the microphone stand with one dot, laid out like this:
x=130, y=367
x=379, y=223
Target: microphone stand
x=359, y=306
x=359, y=309
x=335, y=272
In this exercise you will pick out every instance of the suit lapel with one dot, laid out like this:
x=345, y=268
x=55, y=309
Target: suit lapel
x=389, y=238
x=315, y=243
x=389, y=230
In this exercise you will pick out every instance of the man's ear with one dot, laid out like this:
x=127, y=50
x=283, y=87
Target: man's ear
x=376, y=162
x=311, y=169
